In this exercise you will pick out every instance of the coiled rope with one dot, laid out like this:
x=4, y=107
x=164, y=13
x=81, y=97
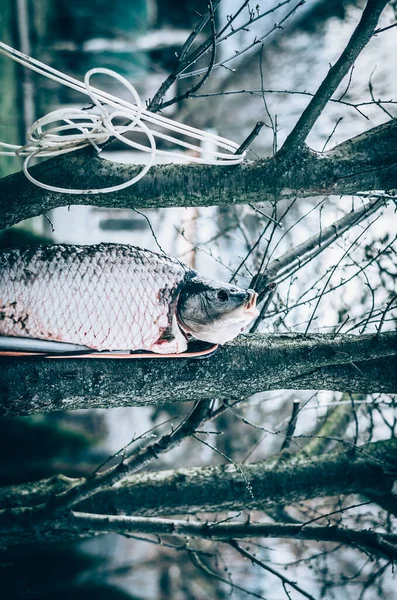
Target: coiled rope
x=69, y=129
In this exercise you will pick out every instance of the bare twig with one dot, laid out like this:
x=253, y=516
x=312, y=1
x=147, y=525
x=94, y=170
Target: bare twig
x=257, y=40
x=332, y=271
x=251, y=20
x=348, y=84
x=266, y=567
x=156, y=102
x=186, y=59
x=355, y=418
x=388, y=305
x=339, y=511
x=193, y=89
x=331, y=134
x=380, y=30
x=270, y=290
x=248, y=141
x=203, y=567
x=291, y=425
x=273, y=122
x=235, y=465
x=258, y=92
x=197, y=30
x=371, y=91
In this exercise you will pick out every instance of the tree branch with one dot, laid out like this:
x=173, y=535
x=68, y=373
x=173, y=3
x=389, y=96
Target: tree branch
x=249, y=364
x=381, y=544
x=366, y=162
x=370, y=471
x=360, y=38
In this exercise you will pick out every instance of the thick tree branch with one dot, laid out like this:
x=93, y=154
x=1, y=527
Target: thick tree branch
x=381, y=544
x=360, y=38
x=366, y=162
x=250, y=364
x=366, y=470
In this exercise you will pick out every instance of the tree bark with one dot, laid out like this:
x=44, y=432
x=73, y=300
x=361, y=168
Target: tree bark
x=367, y=470
x=280, y=480
x=366, y=162
x=250, y=364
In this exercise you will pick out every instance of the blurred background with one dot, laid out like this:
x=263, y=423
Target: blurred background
x=272, y=82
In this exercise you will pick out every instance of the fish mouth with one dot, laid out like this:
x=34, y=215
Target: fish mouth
x=250, y=305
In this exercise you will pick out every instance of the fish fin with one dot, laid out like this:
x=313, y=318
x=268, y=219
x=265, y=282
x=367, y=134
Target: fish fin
x=167, y=335
x=172, y=340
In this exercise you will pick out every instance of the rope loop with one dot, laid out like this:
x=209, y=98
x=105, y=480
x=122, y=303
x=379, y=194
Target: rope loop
x=69, y=129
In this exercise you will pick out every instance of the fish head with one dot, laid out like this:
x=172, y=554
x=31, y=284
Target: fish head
x=213, y=311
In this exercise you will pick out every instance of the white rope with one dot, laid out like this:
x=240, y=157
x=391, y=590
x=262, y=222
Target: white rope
x=69, y=129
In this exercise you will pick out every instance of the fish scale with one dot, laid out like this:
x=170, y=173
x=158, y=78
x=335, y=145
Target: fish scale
x=107, y=297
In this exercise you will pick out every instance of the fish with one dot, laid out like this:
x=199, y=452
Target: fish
x=116, y=297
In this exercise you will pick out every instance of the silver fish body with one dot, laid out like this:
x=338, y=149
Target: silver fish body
x=108, y=296
x=114, y=297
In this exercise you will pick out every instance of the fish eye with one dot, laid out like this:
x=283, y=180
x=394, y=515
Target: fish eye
x=222, y=295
